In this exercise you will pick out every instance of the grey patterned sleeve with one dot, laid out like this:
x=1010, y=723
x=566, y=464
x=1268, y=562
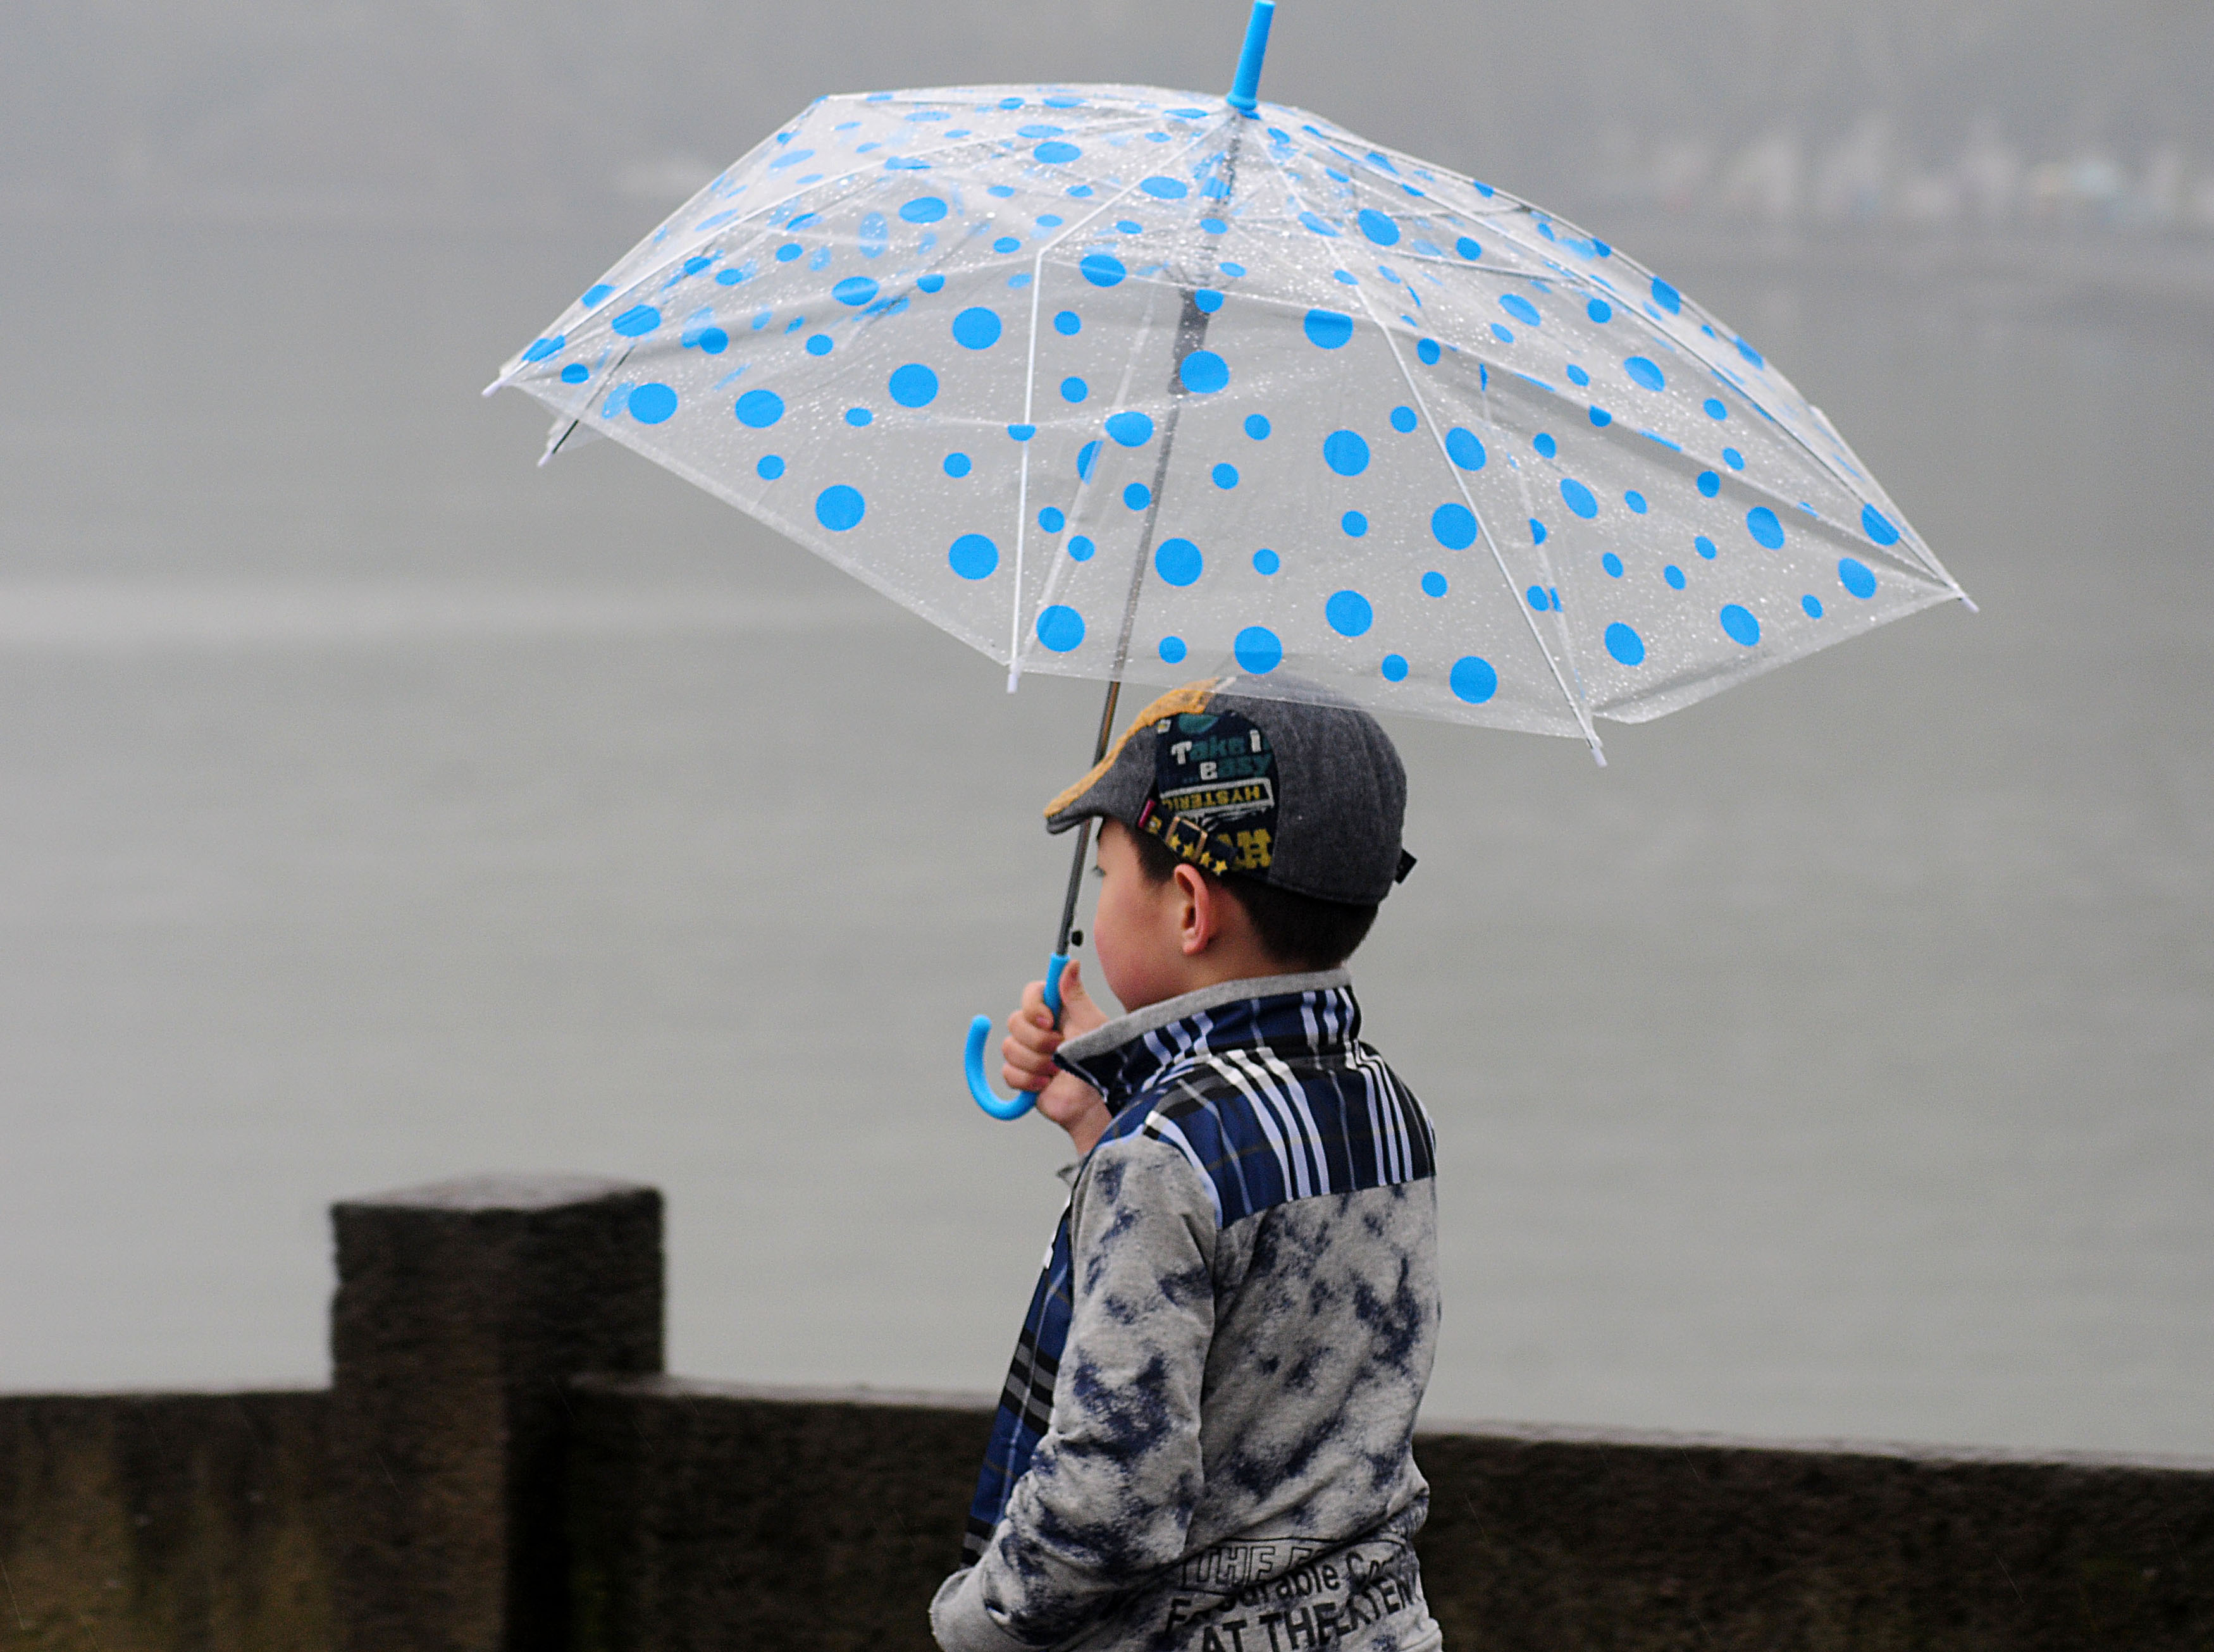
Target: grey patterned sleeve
x=1110, y=1494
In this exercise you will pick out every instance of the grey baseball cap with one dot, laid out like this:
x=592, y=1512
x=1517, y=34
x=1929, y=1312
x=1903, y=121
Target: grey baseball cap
x=1305, y=795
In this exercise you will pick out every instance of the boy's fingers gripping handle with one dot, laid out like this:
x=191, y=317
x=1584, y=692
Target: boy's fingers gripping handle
x=980, y=1033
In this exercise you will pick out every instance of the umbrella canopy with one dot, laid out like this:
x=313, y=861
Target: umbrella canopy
x=1117, y=382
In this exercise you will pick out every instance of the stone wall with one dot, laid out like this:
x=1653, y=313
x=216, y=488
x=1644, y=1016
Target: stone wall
x=500, y=1465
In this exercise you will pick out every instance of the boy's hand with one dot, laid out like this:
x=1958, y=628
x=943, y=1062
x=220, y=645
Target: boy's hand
x=1028, y=1055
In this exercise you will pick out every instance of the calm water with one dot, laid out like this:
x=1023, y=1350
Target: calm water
x=374, y=807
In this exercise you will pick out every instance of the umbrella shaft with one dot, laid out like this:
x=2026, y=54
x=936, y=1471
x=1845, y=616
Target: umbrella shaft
x=1083, y=830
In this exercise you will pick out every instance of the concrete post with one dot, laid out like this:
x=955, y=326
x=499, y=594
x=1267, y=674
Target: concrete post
x=463, y=1307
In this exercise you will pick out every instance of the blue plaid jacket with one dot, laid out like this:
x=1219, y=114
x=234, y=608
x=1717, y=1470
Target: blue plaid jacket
x=1270, y=1097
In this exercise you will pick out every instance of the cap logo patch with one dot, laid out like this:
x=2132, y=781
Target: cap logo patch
x=1215, y=792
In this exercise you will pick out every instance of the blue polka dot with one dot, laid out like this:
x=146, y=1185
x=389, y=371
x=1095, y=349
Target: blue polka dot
x=1709, y=484
x=1319, y=224
x=1599, y=310
x=1473, y=679
x=1069, y=323
x=1178, y=562
x=1061, y=628
x=1538, y=599
x=1636, y=501
x=770, y=467
x=1130, y=430
x=1256, y=427
x=1429, y=352
x=859, y=416
x=1266, y=561
x=1733, y=459
x=1505, y=335
x=1644, y=370
x=709, y=341
x=930, y=282
x=1760, y=522
x=1715, y=408
x=1379, y=228
x=1137, y=496
x=819, y=344
x=1086, y=456
x=1434, y=585
x=1520, y=308
x=1327, y=329
x=1226, y=475
x=1750, y=354
x=545, y=347
x=1207, y=299
x=575, y=373
x=1704, y=546
x=1348, y=613
x=1537, y=531
x=1740, y=623
x=1259, y=649
x=759, y=409
x=1074, y=390
x=1403, y=420
x=636, y=322
x=1354, y=524
x=1674, y=576
x=1080, y=548
x=599, y=293
x=1101, y=269
x=1625, y=644
x=1463, y=449
x=1203, y=372
x=1857, y=577
x=1877, y=525
x=1601, y=417
x=1666, y=296
x=1344, y=452
x=1021, y=432
x=1395, y=667
x=958, y=464
x=976, y=329
x=854, y=290
x=1613, y=563
x=1172, y=650
x=913, y=385
x=790, y=250
x=1214, y=226
x=1006, y=244
x=1051, y=519
x=1546, y=446
x=1166, y=189
x=1813, y=604
x=1056, y=153
x=1468, y=248
x=974, y=556
x=1453, y=526
x=1578, y=498
x=839, y=508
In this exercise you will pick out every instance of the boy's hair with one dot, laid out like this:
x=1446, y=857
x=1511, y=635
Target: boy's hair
x=1309, y=934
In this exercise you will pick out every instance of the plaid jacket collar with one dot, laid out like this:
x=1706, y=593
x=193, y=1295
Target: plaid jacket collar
x=1144, y=1050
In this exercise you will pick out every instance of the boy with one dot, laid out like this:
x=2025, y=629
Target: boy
x=1204, y=1445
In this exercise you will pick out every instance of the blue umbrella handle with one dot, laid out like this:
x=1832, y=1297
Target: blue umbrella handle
x=979, y=1030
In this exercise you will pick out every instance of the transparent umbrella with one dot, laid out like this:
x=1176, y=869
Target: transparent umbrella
x=1129, y=383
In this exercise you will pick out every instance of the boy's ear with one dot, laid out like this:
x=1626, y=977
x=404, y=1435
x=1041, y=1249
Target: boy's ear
x=1198, y=918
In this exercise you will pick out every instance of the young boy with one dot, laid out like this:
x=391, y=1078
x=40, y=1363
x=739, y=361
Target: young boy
x=1204, y=1444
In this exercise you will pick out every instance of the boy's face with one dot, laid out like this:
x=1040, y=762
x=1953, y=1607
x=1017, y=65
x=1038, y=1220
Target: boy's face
x=1137, y=931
